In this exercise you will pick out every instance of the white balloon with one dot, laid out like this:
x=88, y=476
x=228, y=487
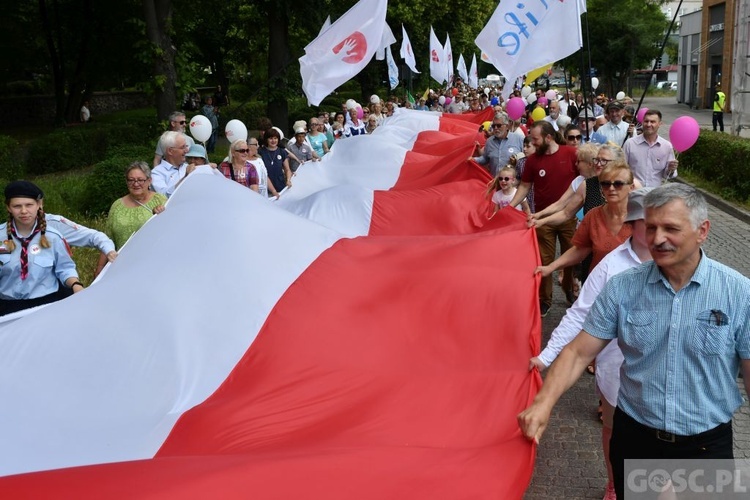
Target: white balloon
x=487, y=91
x=441, y=100
x=594, y=83
x=351, y=104
x=620, y=95
x=531, y=98
x=525, y=91
x=200, y=128
x=235, y=131
x=563, y=121
x=374, y=99
x=281, y=134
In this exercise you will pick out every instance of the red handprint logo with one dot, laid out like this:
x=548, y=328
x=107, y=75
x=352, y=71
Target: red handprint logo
x=353, y=48
x=435, y=57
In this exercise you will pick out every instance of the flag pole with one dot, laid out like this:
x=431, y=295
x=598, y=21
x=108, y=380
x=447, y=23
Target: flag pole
x=656, y=61
x=585, y=75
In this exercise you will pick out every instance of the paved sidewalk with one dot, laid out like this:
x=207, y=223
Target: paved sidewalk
x=570, y=463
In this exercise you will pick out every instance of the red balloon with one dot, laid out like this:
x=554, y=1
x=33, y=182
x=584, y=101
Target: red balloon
x=454, y=91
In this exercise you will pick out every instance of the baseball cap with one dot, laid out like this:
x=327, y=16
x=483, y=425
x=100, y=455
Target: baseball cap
x=635, y=204
x=615, y=104
x=299, y=130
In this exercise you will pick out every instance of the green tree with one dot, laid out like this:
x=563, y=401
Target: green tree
x=624, y=35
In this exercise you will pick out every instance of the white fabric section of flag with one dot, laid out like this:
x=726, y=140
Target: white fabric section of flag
x=343, y=50
x=437, y=58
x=448, y=51
x=520, y=37
x=326, y=25
x=352, y=162
x=392, y=68
x=582, y=6
x=407, y=52
x=461, y=68
x=68, y=393
x=473, y=75
x=388, y=39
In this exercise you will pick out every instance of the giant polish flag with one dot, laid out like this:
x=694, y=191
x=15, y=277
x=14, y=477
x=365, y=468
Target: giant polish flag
x=341, y=343
x=340, y=52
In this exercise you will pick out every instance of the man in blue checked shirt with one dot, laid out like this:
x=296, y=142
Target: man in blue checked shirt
x=682, y=324
x=501, y=146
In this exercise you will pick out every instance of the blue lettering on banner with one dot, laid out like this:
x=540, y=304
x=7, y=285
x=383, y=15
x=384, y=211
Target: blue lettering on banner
x=511, y=39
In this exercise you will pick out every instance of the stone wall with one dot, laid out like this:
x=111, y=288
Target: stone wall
x=40, y=109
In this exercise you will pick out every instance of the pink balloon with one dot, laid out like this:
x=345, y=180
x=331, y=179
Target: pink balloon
x=448, y=100
x=515, y=108
x=640, y=114
x=683, y=133
x=551, y=95
x=360, y=113
x=543, y=101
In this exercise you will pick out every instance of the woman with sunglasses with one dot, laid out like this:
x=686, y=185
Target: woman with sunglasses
x=239, y=168
x=34, y=260
x=603, y=228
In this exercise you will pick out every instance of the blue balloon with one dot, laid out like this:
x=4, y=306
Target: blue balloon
x=494, y=101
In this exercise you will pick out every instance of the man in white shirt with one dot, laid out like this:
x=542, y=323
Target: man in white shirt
x=651, y=158
x=167, y=174
x=615, y=130
x=554, y=114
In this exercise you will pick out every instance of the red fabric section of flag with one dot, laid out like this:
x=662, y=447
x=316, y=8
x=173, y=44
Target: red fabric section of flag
x=394, y=366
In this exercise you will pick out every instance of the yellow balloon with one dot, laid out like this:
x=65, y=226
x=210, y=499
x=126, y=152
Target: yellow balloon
x=538, y=114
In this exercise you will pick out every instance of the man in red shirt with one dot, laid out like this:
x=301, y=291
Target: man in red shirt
x=551, y=170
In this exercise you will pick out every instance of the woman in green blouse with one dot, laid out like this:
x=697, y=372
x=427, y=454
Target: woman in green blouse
x=129, y=213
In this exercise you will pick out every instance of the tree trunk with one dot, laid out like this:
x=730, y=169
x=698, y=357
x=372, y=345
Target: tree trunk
x=56, y=58
x=79, y=85
x=278, y=58
x=158, y=16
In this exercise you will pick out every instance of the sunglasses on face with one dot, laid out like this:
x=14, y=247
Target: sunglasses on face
x=616, y=184
x=506, y=179
x=574, y=137
x=242, y=150
x=498, y=125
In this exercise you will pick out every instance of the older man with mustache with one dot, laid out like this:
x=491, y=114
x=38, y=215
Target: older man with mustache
x=681, y=323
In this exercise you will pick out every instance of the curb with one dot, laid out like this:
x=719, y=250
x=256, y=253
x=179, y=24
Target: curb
x=721, y=204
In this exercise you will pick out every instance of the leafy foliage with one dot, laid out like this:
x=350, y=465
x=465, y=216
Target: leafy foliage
x=11, y=167
x=80, y=146
x=623, y=35
x=107, y=182
x=723, y=158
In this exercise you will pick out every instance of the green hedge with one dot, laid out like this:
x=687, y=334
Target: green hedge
x=84, y=145
x=721, y=159
x=107, y=182
x=11, y=158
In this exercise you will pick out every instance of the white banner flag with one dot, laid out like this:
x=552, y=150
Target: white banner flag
x=386, y=41
x=326, y=25
x=448, y=51
x=343, y=50
x=473, y=80
x=437, y=58
x=461, y=68
x=392, y=68
x=407, y=53
x=521, y=37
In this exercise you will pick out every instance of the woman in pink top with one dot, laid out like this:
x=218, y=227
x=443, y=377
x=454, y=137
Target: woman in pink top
x=603, y=228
